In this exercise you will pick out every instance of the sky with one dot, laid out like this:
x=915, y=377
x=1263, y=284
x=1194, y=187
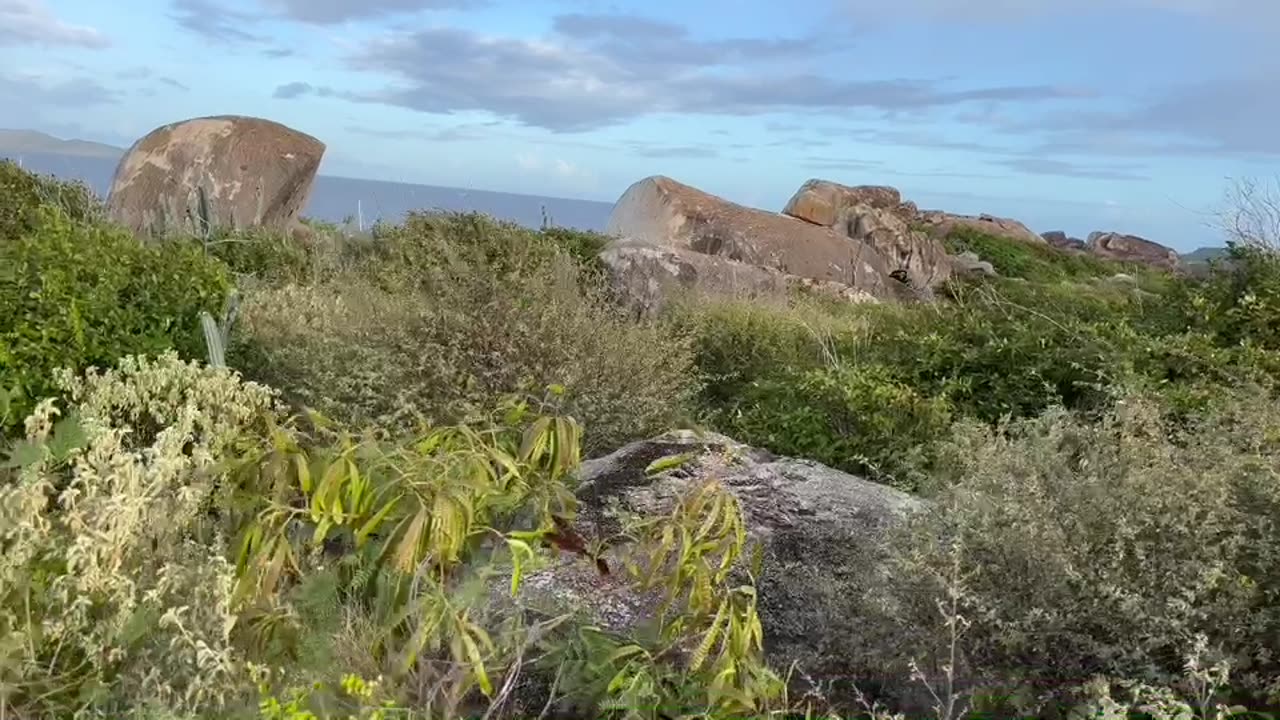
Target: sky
x=1119, y=115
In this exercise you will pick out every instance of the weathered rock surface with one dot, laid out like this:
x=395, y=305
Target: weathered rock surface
x=877, y=216
x=943, y=223
x=647, y=277
x=1131, y=248
x=242, y=171
x=968, y=263
x=824, y=535
x=660, y=211
x=1062, y=241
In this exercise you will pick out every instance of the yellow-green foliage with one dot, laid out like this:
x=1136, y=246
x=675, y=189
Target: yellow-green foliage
x=115, y=583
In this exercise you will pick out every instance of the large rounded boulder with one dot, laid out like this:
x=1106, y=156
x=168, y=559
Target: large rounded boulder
x=215, y=172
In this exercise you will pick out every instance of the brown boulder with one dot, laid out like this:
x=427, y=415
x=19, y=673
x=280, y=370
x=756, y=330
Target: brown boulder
x=875, y=215
x=1062, y=241
x=233, y=171
x=660, y=211
x=943, y=223
x=821, y=202
x=646, y=277
x=1131, y=248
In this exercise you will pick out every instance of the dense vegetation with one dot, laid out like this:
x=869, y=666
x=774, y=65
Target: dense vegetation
x=333, y=525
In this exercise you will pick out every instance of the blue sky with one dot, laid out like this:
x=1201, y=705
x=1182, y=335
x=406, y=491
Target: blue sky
x=1080, y=115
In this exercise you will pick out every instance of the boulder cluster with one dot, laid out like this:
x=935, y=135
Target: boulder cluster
x=858, y=242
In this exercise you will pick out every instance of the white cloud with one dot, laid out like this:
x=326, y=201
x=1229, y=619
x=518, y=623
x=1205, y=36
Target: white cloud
x=29, y=22
x=1235, y=11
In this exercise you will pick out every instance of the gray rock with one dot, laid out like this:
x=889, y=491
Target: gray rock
x=647, y=277
x=968, y=263
x=1062, y=241
x=824, y=534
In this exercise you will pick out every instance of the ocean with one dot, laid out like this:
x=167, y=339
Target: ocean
x=334, y=199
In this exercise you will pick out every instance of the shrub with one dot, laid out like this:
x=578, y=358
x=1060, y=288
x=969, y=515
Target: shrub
x=1035, y=262
x=115, y=583
x=443, y=317
x=77, y=295
x=857, y=418
x=869, y=388
x=268, y=256
x=1240, y=300
x=1106, y=548
x=22, y=194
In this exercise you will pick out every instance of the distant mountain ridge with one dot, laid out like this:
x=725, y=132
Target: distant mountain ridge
x=1205, y=254
x=21, y=142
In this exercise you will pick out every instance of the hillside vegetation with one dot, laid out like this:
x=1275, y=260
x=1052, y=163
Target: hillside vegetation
x=329, y=523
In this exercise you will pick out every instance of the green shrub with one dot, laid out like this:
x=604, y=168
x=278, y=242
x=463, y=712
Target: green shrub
x=77, y=295
x=1036, y=262
x=446, y=315
x=1239, y=303
x=22, y=194
x=1106, y=547
x=857, y=418
x=867, y=387
x=269, y=256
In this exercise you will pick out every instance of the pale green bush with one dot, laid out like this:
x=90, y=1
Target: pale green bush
x=114, y=578
x=444, y=351
x=1106, y=548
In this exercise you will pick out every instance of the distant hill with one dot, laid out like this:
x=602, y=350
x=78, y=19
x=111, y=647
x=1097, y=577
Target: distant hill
x=1204, y=254
x=20, y=142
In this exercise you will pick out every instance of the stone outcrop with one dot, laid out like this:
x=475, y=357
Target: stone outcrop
x=1131, y=248
x=943, y=223
x=824, y=534
x=662, y=212
x=228, y=171
x=875, y=215
x=646, y=277
x=1062, y=241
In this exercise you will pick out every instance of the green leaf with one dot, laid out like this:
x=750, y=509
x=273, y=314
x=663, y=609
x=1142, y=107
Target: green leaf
x=24, y=452
x=477, y=663
x=68, y=437
x=370, y=525
x=669, y=462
